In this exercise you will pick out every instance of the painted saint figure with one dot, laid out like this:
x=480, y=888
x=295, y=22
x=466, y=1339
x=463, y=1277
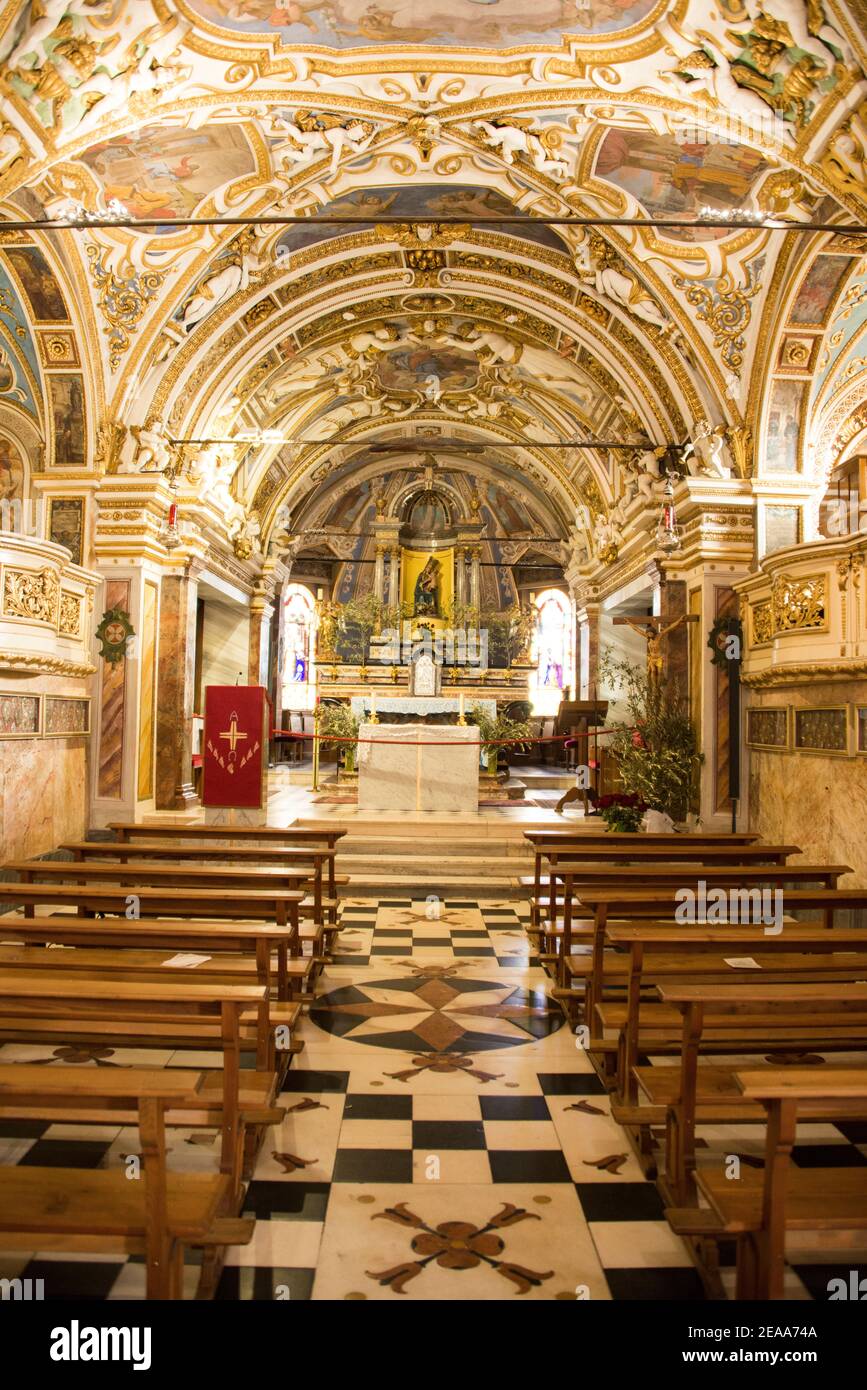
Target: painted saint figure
x=426, y=601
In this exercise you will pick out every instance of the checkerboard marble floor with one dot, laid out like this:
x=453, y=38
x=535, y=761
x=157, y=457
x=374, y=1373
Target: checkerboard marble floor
x=445, y=1138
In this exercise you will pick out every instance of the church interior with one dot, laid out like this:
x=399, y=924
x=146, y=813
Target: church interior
x=433, y=650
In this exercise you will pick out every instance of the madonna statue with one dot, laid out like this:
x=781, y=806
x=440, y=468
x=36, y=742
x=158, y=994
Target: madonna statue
x=426, y=599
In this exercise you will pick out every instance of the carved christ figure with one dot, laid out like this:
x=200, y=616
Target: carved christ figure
x=652, y=631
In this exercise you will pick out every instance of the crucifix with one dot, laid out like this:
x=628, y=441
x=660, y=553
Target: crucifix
x=653, y=631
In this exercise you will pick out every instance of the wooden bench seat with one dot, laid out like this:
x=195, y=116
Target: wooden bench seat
x=243, y=834
x=197, y=1104
x=761, y=1207
x=66, y=1005
x=259, y=942
x=833, y=1199
x=202, y=903
x=98, y=1210
x=237, y=836
x=320, y=859
x=745, y=1018
x=554, y=845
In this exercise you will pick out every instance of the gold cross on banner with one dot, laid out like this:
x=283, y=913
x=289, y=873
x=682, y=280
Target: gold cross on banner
x=232, y=733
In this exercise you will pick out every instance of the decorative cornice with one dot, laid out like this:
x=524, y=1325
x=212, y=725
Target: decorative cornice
x=805, y=672
x=53, y=665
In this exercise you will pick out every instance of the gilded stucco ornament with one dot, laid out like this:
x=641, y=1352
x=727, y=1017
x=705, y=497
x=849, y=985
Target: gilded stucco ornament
x=725, y=308
x=74, y=76
x=122, y=301
x=242, y=262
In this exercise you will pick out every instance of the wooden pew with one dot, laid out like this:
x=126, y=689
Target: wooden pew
x=548, y=843
x=743, y=1018
x=320, y=859
x=278, y=880
x=654, y=952
x=652, y=890
x=253, y=904
x=634, y=857
x=127, y=831
x=88, y=1210
x=66, y=1006
x=242, y=949
x=759, y=1208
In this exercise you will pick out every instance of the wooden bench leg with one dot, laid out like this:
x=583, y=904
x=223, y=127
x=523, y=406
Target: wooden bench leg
x=771, y=1239
x=152, y=1136
x=176, y=1271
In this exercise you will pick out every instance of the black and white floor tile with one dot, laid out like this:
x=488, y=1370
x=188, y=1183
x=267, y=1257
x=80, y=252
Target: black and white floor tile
x=445, y=1137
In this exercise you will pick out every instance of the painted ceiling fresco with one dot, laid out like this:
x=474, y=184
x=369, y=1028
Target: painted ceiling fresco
x=160, y=172
x=420, y=202
x=466, y=23
x=671, y=177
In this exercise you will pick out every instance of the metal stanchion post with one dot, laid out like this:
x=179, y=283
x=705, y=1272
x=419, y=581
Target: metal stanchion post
x=316, y=717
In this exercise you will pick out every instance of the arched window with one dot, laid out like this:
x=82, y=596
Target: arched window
x=299, y=616
x=552, y=651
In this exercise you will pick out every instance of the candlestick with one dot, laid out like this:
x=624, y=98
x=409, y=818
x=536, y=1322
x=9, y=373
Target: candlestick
x=373, y=718
x=461, y=719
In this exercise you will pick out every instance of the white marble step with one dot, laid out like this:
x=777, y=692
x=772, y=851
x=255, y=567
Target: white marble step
x=444, y=885
x=437, y=847
x=350, y=862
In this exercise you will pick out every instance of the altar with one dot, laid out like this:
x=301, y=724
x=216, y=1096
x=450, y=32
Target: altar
x=418, y=767
x=419, y=706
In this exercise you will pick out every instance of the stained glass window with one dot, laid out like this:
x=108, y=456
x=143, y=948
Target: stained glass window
x=298, y=619
x=552, y=651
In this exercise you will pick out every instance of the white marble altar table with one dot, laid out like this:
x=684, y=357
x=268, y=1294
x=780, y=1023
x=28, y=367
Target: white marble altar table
x=418, y=767
x=417, y=704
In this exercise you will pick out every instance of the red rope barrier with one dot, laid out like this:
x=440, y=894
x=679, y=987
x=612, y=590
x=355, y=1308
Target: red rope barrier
x=568, y=740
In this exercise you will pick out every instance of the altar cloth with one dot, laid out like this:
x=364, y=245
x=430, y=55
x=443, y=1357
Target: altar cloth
x=417, y=704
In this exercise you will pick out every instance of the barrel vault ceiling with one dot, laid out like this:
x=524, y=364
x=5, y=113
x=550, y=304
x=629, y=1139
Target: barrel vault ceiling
x=302, y=348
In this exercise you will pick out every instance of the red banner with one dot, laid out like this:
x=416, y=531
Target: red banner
x=234, y=745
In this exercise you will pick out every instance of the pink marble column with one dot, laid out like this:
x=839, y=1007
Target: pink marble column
x=588, y=651
x=112, y=702
x=175, y=680
x=260, y=631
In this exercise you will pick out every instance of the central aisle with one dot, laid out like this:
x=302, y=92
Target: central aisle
x=447, y=1137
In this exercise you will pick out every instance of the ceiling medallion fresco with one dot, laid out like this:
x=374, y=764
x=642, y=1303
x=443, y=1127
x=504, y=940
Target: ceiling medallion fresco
x=459, y=23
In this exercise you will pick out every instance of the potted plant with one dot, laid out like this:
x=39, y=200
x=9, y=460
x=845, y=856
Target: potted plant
x=656, y=749
x=357, y=621
x=493, y=731
x=338, y=721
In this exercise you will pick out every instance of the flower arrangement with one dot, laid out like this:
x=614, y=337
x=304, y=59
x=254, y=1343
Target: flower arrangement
x=621, y=811
x=492, y=731
x=656, y=752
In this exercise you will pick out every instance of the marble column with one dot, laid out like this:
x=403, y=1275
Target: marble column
x=261, y=612
x=379, y=573
x=175, y=681
x=113, y=700
x=475, y=577
x=460, y=575
x=394, y=578
x=588, y=650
